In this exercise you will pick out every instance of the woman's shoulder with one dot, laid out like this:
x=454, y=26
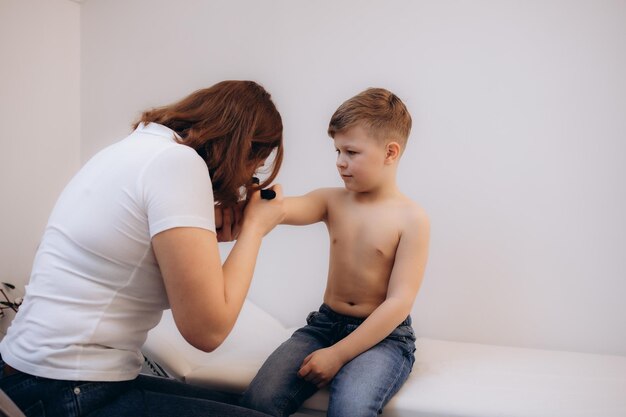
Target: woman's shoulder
x=176, y=153
x=174, y=161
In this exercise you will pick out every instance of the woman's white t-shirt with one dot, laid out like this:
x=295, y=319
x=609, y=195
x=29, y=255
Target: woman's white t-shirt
x=96, y=289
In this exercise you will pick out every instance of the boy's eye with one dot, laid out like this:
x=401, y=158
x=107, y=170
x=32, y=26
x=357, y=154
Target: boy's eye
x=351, y=152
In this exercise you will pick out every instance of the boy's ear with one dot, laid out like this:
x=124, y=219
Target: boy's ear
x=392, y=152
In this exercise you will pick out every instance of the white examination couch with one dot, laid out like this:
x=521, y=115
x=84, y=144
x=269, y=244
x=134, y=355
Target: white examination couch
x=449, y=379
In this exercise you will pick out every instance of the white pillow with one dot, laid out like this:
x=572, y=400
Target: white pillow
x=255, y=335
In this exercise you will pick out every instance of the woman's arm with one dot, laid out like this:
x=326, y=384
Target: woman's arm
x=206, y=297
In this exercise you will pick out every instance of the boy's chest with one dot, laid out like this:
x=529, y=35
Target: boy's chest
x=365, y=231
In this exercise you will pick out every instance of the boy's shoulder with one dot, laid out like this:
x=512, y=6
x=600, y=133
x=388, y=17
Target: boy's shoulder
x=330, y=192
x=402, y=206
x=413, y=214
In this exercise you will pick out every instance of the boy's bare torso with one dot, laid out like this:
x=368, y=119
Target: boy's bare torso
x=363, y=236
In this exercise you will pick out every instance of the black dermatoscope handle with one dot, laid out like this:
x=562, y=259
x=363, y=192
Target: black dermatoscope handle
x=268, y=194
x=265, y=194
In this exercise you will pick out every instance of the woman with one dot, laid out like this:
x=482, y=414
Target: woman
x=133, y=233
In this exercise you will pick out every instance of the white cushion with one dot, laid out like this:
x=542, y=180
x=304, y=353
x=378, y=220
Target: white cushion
x=255, y=335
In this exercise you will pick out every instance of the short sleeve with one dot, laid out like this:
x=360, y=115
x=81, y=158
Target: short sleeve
x=176, y=191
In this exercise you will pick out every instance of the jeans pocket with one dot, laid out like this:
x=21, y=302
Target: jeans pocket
x=311, y=316
x=35, y=410
x=404, y=332
x=408, y=346
x=405, y=336
x=91, y=396
x=317, y=317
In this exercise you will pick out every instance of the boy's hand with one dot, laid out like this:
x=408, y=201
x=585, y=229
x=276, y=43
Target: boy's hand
x=320, y=367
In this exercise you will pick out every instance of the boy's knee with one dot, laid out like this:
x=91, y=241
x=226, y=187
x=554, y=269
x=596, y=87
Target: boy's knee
x=263, y=400
x=353, y=406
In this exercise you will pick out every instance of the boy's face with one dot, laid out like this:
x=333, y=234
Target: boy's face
x=360, y=159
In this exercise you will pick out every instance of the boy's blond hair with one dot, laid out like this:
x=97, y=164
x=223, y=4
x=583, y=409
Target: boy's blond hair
x=379, y=111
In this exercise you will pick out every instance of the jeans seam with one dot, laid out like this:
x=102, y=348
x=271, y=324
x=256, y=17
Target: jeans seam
x=386, y=395
x=292, y=398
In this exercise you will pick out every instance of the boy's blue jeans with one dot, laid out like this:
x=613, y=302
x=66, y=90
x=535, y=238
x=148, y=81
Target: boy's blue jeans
x=145, y=396
x=361, y=388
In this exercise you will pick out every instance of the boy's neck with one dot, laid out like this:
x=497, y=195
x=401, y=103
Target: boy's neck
x=379, y=193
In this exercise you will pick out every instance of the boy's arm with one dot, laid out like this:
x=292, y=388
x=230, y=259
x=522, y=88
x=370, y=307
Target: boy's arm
x=321, y=366
x=307, y=209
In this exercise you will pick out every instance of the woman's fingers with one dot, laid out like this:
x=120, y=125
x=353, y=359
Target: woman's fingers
x=225, y=233
x=218, y=210
x=238, y=219
x=278, y=189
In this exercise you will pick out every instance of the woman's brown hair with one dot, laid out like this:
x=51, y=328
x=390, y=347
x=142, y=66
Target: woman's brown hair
x=234, y=126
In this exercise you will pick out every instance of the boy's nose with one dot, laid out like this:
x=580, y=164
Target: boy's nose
x=341, y=162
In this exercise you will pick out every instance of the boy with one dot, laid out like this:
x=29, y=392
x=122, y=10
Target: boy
x=360, y=341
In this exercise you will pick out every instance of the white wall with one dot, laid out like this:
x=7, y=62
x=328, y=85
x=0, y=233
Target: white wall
x=518, y=151
x=39, y=123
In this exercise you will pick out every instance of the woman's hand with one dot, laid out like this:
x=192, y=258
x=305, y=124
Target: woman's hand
x=228, y=221
x=263, y=215
x=320, y=367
